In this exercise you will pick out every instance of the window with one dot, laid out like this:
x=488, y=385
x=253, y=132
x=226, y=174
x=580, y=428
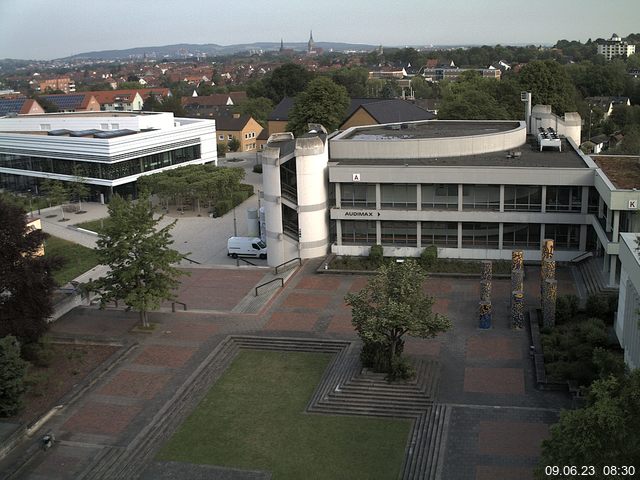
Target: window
x=481, y=197
x=443, y=234
x=440, y=197
x=229, y=137
x=355, y=232
x=564, y=199
x=594, y=199
x=45, y=126
x=115, y=126
x=220, y=137
x=565, y=237
x=522, y=198
x=361, y=195
x=521, y=235
x=400, y=234
x=480, y=235
x=398, y=195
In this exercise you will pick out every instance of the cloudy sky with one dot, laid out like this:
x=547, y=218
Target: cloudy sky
x=41, y=29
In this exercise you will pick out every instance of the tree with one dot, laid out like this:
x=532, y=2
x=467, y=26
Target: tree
x=549, y=84
x=56, y=193
x=322, y=102
x=259, y=108
x=286, y=81
x=354, y=79
x=603, y=433
x=79, y=188
x=233, y=144
x=140, y=260
x=26, y=280
x=12, y=371
x=392, y=305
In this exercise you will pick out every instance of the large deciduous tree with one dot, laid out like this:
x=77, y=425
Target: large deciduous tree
x=12, y=371
x=549, y=84
x=26, y=280
x=392, y=305
x=142, y=264
x=604, y=433
x=323, y=101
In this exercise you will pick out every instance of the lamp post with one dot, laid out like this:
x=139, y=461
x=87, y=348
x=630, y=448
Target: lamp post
x=30, y=206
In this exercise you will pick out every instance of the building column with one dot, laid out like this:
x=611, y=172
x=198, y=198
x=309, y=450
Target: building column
x=418, y=197
x=612, y=270
x=378, y=197
x=542, y=234
x=608, y=221
x=338, y=195
x=378, y=233
x=605, y=261
x=600, y=207
x=543, y=199
x=584, y=206
x=500, y=234
x=460, y=194
x=582, y=246
x=459, y=235
x=501, y=200
x=616, y=225
x=339, y=232
x=419, y=234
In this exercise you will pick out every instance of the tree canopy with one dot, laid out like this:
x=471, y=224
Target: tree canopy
x=549, y=84
x=603, y=433
x=323, y=101
x=12, y=370
x=142, y=270
x=391, y=305
x=26, y=280
x=285, y=81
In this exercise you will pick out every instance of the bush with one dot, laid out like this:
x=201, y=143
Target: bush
x=257, y=168
x=428, y=257
x=598, y=306
x=608, y=363
x=566, y=308
x=238, y=197
x=12, y=372
x=222, y=149
x=38, y=353
x=376, y=255
x=222, y=207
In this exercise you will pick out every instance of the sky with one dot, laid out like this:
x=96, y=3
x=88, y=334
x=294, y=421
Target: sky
x=44, y=30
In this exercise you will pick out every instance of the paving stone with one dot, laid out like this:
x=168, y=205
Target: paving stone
x=495, y=348
x=101, y=418
x=494, y=380
x=301, y=322
x=511, y=438
x=165, y=355
x=128, y=383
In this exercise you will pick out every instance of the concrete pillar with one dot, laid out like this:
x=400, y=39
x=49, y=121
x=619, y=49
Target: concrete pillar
x=338, y=195
x=616, y=225
x=608, y=221
x=500, y=235
x=605, y=262
x=612, y=270
x=419, y=234
x=485, y=315
x=459, y=235
x=419, y=197
x=339, y=232
x=378, y=197
x=501, y=198
x=584, y=206
x=543, y=198
x=517, y=310
x=549, y=296
x=542, y=234
x=378, y=233
x=600, y=207
x=583, y=238
x=460, y=197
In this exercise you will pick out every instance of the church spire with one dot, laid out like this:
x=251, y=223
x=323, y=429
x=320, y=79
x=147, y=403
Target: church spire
x=311, y=45
x=281, y=44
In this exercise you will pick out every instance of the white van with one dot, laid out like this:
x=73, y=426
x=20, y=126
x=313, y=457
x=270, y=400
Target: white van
x=249, y=246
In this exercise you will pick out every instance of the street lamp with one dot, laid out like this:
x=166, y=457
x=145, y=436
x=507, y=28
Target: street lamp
x=30, y=207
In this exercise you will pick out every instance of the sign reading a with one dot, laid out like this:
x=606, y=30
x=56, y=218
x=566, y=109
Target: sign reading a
x=356, y=177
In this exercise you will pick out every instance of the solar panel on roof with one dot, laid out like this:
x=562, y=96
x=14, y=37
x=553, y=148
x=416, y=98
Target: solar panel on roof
x=66, y=102
x=11, y=106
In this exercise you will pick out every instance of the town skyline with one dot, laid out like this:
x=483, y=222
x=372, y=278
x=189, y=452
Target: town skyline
x=26, y=32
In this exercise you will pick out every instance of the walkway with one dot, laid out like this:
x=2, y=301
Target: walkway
x=495, y=416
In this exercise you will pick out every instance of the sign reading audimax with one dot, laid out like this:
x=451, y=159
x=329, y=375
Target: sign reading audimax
x=360, y=213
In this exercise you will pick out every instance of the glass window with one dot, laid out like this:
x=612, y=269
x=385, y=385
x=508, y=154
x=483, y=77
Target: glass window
x=442, y=234
x=565, y=237
x=399, y=234
x=480, y=235
x=356, y=232
x=522, y=198
x=481, y=197
x=361, y=195
x=521, y=235
x=398, y=195
x=564, y=199
x=594, y=198
x=440, y=197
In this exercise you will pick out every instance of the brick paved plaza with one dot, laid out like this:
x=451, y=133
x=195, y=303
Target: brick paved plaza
x=497, y=421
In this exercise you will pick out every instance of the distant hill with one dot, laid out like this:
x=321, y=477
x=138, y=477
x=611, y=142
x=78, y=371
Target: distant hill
x=211, y=49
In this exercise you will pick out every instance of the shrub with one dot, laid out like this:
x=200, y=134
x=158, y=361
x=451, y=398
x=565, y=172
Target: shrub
x=38, y=353
x=428, y=257
x=12, y=371
x=608, y=363
x=222, y=207
x=598, y=306
x=376, y=255
x=238, y=197
x=222, y=149
x=257, y=168
x=566, y=308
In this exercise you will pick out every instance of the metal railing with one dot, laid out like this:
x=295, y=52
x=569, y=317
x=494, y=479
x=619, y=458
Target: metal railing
x=189, y=260
x=173, y=306
x=298, y=259
x=267, y=283
x=581, y=257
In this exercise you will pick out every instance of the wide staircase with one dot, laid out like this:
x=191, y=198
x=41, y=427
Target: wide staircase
x=345, y=389
x=595, y=282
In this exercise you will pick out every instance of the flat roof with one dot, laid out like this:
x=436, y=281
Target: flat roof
x=622, y=171
x=431, y=129
x=102, y=113
x=530, y=156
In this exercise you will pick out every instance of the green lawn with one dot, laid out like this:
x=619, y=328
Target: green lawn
x=253, y=418
x=93, y=225
x=79, y=259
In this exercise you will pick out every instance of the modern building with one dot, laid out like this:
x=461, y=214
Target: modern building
x=615, y=47
x=627, y=326
x=110, y=149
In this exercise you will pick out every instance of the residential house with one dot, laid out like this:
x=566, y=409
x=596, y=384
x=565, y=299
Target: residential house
x=209, y=106
x=242, y=127
x=74, y=102
x=606, y=104
x=380, y=111
x=118, y=100
x=64, y=84
x=19, y=106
